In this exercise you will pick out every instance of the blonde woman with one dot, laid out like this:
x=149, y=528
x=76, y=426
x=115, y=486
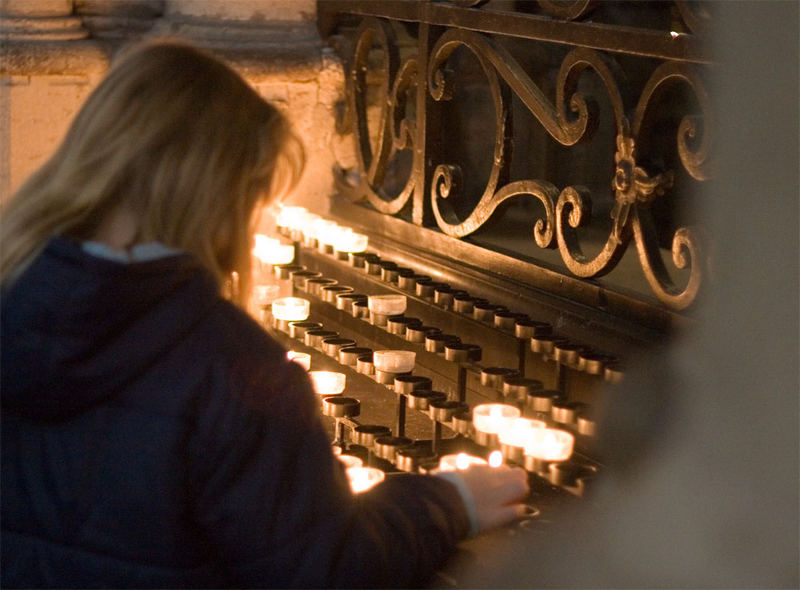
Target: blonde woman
x=153, y=435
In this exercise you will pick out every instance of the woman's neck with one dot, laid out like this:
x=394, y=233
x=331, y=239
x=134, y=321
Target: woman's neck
x=120, y=230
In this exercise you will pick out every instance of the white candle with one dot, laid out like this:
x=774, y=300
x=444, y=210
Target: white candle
x=459, y=462
x=550, y=444
x=346, y=240
x=291, y=309
x=328, y=382
x=387, y=304
x=305, y=224
x=301, y=358
x=519, y=432
x=394, y=361
x=271, y=251
x=494, y=418
x=291, y=217
x=325, y=231
x=363, y=478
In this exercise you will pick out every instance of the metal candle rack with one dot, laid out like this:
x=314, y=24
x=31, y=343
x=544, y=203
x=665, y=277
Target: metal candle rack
x=345, y=308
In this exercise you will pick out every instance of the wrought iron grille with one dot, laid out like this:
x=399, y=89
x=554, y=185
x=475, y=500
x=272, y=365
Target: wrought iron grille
x=572, y=136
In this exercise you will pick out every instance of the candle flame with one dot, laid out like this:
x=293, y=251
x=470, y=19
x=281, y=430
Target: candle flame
x=495, y=459
x=364, y=478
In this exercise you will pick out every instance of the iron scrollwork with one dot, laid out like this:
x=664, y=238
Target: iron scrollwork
x=634, y=190
x=569, y=120
x=394, y=132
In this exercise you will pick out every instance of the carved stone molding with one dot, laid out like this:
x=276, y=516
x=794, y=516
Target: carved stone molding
x=40, y=20
x=120, y=20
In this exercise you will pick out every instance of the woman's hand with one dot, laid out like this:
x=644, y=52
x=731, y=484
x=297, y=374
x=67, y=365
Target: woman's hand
x=496, y=494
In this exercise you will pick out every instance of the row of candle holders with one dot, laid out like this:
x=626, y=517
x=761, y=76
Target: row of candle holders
x=386, y=311
x=542, y=408
x=537, y=336
x=519, y=439
x=342, y=243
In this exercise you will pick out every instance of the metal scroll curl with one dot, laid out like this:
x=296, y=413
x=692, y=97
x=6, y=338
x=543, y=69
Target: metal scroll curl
x=393, y=131
x=447, y=179
x=685, y=247
x=634, y=190
x=566, y=128
x=695, y=161
x=697, y=15
x=445, y=185
x=574, y=201
x=567, y=10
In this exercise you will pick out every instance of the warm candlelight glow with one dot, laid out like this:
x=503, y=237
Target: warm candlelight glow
x=306, y=224
x=394, y=361
x=495, y=459
x=459, y=462
x=327, y=382
x=291, y=217
x=363, y=478
x=550, y=444
x=271, y=251
x=301, y=358
x=346, y=240
x=265, y=294
x=291, y=309
x=350, y=461
x=519, y=432
x=494, y=418
x=325, y=231
x=387, y=304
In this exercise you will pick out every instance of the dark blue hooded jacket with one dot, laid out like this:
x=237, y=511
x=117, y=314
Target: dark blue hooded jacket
x=153, y=435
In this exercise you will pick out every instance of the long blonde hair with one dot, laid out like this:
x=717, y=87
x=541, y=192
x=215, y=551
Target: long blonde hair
x=176, y=136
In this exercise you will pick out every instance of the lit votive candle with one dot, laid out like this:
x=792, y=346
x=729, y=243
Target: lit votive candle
x=394, y=361
x=346, y=240
x=494, y=418
x=262, y=244
x=387, y=304
x=301, y=358
x=364, y=478
x=459, y=462
x=291, y=217
x=291, y=309
x=279, y=254
x=306, y=228
x=519, y=432
x=271, y=251
x=325, y=231
x=550, y=444
x=327, y=382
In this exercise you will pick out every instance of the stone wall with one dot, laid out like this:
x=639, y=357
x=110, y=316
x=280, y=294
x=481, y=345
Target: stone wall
x=55, y=51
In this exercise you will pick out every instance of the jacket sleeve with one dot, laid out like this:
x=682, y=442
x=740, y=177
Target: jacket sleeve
x=275, y=507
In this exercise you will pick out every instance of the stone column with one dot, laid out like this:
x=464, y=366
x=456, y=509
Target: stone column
x=47, y=67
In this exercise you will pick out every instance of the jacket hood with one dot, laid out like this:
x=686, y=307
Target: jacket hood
x=76, y=328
